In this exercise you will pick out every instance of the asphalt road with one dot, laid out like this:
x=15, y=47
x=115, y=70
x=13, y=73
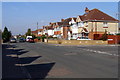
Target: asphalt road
x=39, y=60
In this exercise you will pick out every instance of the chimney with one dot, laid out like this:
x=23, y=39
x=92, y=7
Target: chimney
x=62, y=20
x=43, y=27
x=86, y=10
x=50, y=23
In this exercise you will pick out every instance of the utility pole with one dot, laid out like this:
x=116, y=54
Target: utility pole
x=37, y=29
x=47, y=34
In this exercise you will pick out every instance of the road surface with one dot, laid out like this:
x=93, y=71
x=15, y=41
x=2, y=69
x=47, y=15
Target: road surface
x=39, y=60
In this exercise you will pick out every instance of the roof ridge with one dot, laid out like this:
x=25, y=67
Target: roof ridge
x=93, y=15
x=105, y=13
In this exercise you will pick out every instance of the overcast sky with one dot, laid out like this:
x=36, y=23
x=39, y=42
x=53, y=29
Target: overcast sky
x=19, y=16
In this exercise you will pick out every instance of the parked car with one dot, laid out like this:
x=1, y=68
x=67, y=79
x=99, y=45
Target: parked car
x=83, y=38
x=31, y=40
x=13, y=40
x=28, y=37
x=21, y=40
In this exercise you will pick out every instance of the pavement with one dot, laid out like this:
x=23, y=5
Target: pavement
x=39, y=61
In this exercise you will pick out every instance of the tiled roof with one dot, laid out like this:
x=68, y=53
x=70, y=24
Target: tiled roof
x=48, y=27
x=40, y=29
x=34, y=32
x=66, y=21
x=82, y=17
x=52, y=24
x=60, y=23
x=75, y=19
x=96, y=14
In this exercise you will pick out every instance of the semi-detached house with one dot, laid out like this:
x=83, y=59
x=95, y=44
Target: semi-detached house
x=93, y=24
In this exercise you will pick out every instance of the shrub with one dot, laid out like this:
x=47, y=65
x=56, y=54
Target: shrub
x=50, y=37
x=104, y=36
x=54, y=37
x=118, y=34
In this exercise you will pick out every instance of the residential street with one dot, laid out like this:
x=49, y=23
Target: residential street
x=39, y=60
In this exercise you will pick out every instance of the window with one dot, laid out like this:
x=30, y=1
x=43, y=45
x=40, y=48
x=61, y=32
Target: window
x=86, y=23
x=81, y=24
x=105, y=24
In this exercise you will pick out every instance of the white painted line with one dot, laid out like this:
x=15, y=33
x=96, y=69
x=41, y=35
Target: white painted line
x=100, y=52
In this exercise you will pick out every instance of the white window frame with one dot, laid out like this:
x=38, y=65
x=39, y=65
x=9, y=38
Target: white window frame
x=105, y=24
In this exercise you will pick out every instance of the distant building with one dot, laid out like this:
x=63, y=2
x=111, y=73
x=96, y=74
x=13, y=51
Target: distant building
x=38, y=32
x=48, y=30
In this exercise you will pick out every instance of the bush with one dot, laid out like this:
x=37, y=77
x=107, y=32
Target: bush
x=110, y=34
x=50, y=37
x=54, y=37
x=118, y=34
x=59, y=41
x=43, y=37
x=38, y=38
x=104, y=36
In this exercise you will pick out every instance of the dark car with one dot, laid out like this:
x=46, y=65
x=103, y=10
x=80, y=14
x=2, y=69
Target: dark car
x=13, y=40
x=31, y=40
x=21, y=40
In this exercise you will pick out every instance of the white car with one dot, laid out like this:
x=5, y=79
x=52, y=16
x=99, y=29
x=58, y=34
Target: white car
x=28, y=37
x=83, y=38
x=13, y=40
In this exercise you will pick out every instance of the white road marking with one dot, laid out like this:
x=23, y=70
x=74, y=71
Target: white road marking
x=101, y=52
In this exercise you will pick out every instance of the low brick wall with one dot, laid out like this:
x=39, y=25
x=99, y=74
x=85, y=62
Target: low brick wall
x=36, y=40
x=78, y=42
x=113, y=39
x=53, y=41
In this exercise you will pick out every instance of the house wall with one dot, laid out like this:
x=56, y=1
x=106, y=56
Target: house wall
x=78, y=19
x=65, y=32
x=57, y=31
x=95, y=35
x=50, y=32
x=44, y=31
x=40, y=33
x=61, y=30
x=74, y=28
x=72, y=21
x=111, y=28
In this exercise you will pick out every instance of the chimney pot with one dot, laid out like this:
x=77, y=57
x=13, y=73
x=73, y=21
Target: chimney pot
x=86, y=10
x=62, y=20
